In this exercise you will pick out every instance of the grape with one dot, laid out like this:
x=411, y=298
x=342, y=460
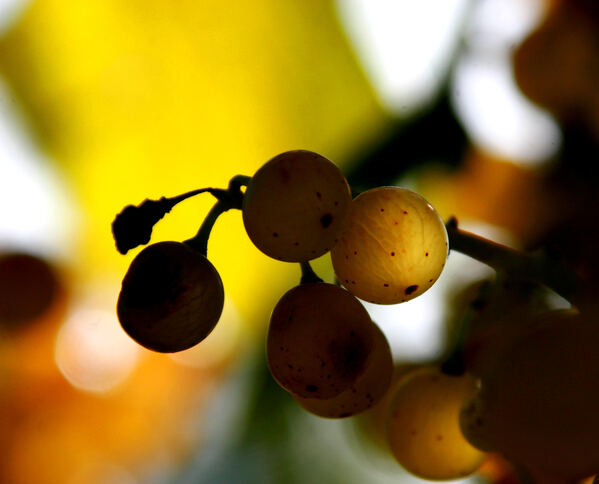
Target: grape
x=554, y=65
x=171, y=297
x=319, y=340
x=394, y=246
x=424, y=431
x=537, y=404
x=28, y=287
x=365, y=392
x=295, y=206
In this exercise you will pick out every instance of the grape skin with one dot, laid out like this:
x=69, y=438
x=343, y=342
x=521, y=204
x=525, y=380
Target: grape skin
x=295, y=206
x=367, y=390
x=423, y=427
x=171, y=297
x=394, y=246
x=319, y=340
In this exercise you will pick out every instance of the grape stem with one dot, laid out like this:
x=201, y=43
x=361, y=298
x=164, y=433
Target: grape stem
x=133, y=225
x=308, y=274
x=534, y=267
x=230, y=198
x=454, y=363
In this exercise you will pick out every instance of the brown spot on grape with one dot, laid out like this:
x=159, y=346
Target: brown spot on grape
x=430, y=280
x=318, y=194
x=290, y=367
x=355, y=252
x=274, y=234
x=345, y=414
x=382, y=209
x=311, y=388
x=395, y=222
x=336, y=203
x=392, y=254
x=426, y=254
x=326, y=220
x=353, y=282
x=322, y=363
x=386, y=285
x=296, y=243
x=405, y=213
x=413, y=432
x=439, y=438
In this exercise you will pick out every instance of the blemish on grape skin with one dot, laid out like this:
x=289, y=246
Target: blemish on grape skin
x=439, y=438
x=326, y=220
x=355, y=252
x=386, y=285
x=410, y=289
x=392, y=254
x=426, y=254
x=382, y=209
x=311, y=388
x=405, y=213
x=318, y=194
x=275, y=234
x=296, y=243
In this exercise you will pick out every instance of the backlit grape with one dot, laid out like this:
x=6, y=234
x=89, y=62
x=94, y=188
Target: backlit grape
x=367, y=390
x=319, y=340
x=424, y=431
x=171, y=298
x=295, y=206
x=393, y=248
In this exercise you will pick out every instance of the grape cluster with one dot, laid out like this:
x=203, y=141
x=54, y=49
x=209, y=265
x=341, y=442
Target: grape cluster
x=524, y=390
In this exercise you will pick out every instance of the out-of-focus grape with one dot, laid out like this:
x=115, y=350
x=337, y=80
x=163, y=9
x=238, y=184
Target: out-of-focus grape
x=556, y=64
x=423, y=427
x=28, y=287
x=394, y=246
x=365, y=392
x=319, y=340
x=537, y=403
x=295, y=206
x=171, y=298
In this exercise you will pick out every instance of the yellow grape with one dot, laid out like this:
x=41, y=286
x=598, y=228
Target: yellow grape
x=537, y=404
x=393, y=248
x=319, y=340
x=365, y=392
x=295, y=206
x=171, y=297
x=423, y=427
